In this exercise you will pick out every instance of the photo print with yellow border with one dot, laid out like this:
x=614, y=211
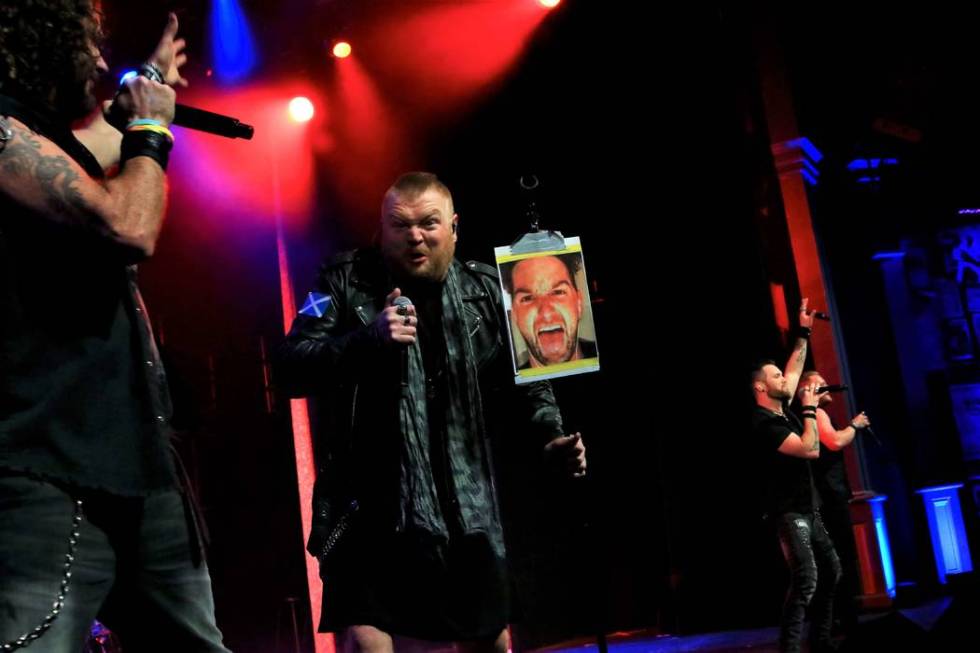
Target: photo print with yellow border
x=549, y=313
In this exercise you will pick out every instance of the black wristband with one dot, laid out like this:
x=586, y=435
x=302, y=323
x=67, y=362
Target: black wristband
x=809, y=412
x=146, y=143
x=803, y=332
x=855, y=427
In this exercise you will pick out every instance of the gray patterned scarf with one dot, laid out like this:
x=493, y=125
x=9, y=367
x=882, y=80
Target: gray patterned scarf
x=470, y=474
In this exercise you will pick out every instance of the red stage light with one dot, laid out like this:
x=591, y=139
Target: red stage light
x=341, y=49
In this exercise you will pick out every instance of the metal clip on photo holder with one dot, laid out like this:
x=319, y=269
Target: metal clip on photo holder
x=535, y=240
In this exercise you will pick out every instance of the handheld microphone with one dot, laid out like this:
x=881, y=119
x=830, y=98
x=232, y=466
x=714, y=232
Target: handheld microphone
x=403, y=302
x=212, y=123
x=831, y=388
x=867, y=429
x=400, y=302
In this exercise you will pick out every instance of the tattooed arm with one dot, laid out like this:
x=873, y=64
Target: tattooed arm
x=797, y=359
x=127, y=210
x=806, y=444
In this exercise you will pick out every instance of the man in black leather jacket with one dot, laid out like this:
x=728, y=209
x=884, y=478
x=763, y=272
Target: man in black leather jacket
x=406, y=520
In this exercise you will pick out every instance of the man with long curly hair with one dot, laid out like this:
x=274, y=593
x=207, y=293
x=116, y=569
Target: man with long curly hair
x=93, y=522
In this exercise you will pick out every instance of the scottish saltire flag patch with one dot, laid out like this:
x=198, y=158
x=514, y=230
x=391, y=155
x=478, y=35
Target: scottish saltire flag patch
x=316, y=305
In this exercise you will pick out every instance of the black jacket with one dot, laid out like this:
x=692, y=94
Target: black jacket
x=338, y=359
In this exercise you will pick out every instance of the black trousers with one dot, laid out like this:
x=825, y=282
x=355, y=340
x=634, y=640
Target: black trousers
x=836, y=517
x=814, y=573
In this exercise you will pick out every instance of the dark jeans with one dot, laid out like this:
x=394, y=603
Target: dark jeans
x=810, y=556
x=137, y=568
x=837, y=519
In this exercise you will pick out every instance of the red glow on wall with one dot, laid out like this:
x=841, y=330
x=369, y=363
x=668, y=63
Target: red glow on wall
x=369, y=138
x=416, y=68
x=305, y=462
x=218, y=176
x=232, y=197
x=781, y=313
x=450, y=52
